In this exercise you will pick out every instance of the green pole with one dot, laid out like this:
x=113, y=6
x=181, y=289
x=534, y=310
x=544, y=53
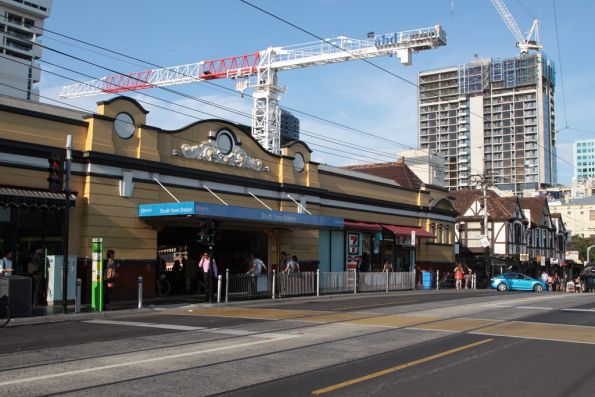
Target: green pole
x=97, y=274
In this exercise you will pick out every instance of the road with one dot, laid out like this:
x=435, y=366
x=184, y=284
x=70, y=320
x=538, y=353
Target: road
x=421, y=343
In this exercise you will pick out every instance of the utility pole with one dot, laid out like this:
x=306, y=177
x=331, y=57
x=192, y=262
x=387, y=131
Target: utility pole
x=486, y=242
x=66, y=233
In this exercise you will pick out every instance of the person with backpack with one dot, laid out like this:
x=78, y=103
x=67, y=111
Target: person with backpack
x=6, y=264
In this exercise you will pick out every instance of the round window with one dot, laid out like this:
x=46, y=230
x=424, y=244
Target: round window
x=225, y=142
x=124, y=125
x=299, y=162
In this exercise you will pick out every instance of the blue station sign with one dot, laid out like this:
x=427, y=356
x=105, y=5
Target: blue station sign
x=193, y=208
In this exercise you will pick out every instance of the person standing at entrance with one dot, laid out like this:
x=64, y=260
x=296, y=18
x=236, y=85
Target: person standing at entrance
x=35, y=268
x=111, y=276
x=208, y=267
x=458, y=275
x=6, y=264
x=468, y=277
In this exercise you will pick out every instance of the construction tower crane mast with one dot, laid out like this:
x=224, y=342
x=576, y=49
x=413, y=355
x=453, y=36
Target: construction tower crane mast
x=531, y=41
x=258, y=70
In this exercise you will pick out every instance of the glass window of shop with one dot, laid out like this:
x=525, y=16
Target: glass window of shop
x=24, y=229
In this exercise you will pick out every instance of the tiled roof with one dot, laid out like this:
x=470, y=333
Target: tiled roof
x=536, y=205
x=397, y=171
x=498, y=207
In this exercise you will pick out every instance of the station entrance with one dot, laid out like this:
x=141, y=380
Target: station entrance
x=180, y=251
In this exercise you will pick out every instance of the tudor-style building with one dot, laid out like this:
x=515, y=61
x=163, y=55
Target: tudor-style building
x=128, y=175
x=522, y=234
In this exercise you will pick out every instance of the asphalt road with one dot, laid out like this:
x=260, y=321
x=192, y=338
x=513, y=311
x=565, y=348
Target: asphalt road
x=424, y=343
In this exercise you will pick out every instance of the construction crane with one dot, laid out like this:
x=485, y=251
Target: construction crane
x=525, y=43
x=258, y=70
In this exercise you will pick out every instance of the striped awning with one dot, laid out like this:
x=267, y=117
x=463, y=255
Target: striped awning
x=17, y=197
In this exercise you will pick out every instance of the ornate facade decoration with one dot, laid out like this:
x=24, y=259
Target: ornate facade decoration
x=211, y=153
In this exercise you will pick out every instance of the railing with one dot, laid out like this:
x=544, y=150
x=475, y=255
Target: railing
x=242, y=286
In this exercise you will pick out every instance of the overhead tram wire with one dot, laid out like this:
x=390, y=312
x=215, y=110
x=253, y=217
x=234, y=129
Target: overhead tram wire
x=374, y=65
x=237, y=112
x=309, y=115
x=393, y=74
x=207, y=102
x=338, y=154
x=560, y=63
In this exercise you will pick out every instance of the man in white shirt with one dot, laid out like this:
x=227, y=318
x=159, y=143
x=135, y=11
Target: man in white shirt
x=6, y=264
x=209, y=271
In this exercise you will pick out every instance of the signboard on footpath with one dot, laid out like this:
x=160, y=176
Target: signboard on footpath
x=353, y=250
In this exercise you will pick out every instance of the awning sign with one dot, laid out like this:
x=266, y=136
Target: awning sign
x=193, y=208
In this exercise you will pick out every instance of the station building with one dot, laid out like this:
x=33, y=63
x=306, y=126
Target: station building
x=147, y=191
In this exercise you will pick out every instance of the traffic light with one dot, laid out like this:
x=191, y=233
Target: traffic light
x=56, y=173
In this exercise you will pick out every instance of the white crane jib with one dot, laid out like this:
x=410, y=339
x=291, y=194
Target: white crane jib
x=259, y=71
x=531, y=41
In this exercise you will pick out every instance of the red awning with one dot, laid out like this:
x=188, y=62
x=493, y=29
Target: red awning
x=356, y=225
x=406, y=231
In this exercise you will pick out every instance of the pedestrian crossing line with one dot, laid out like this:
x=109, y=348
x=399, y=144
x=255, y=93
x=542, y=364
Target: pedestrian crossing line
x=146, y=325
x=240, y=312
x=456, y=324
x=394, y=321
x=540, y=331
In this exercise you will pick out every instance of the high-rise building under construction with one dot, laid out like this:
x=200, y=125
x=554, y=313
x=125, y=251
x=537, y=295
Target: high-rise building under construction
x=494, y=118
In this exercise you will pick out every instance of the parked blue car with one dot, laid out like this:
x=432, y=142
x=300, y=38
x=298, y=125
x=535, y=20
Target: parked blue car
x=516, y=281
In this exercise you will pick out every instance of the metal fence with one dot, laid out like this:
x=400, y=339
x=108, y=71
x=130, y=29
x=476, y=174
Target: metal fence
x=247, y=286
x=295, y=284
x=242, y=286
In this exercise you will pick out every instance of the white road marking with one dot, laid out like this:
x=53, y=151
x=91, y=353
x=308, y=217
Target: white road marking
x=579, y=310
x=531, y=338
x=131, y=363
x=224, y=331
x=534, y=307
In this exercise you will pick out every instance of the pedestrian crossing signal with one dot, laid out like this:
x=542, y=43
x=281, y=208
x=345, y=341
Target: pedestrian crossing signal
x=56, y=173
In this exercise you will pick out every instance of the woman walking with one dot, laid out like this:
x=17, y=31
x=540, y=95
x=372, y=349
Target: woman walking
x=111, y=275
x=459, y=273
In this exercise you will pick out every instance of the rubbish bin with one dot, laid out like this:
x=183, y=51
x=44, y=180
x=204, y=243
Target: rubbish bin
x=426, y=280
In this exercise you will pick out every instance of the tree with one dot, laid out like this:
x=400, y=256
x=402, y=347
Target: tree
x=581, y=244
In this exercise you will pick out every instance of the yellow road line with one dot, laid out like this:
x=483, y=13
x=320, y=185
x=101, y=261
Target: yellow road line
x=397, y=368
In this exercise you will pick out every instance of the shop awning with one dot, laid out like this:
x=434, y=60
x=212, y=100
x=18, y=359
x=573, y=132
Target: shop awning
x=232, y=212
x=15, y=197
x=364, y=226
x=406, y=231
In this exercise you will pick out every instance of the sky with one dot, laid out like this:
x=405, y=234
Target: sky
x=381, y=106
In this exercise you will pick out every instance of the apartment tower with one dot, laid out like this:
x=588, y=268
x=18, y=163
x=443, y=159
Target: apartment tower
x=21, y=24
x=494, y=118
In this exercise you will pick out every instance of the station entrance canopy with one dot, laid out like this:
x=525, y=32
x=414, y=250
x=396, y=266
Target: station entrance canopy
x=230, y=212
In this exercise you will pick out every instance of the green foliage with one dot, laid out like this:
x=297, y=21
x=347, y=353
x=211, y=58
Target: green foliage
x=581, y=244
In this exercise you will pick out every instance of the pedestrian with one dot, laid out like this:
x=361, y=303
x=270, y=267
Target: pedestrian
x=293, y=265
x=257, y=266
x=550, y=282
x=160, y=273
x=458, y=275
x=387, y=266
x=35, y=269
x=208, y=267
x=557, y=282
x=468, y=276
x=111, y=276
x=6, y=264
x=283, y=259
x=544, y=276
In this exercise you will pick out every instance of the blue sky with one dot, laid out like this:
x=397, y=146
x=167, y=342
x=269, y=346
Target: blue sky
x=353, y=93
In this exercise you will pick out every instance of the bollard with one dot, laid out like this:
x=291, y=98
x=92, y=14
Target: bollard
x=226, y=285
x=437, y=279
x=317, y=282
x=355, y=281
x=140, y=292
x=274, y=282
x=474, y=281
x=77, y=302
x=219, y=281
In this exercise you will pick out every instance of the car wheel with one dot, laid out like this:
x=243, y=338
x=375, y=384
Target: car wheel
x=502, y=287
x=538, y=288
